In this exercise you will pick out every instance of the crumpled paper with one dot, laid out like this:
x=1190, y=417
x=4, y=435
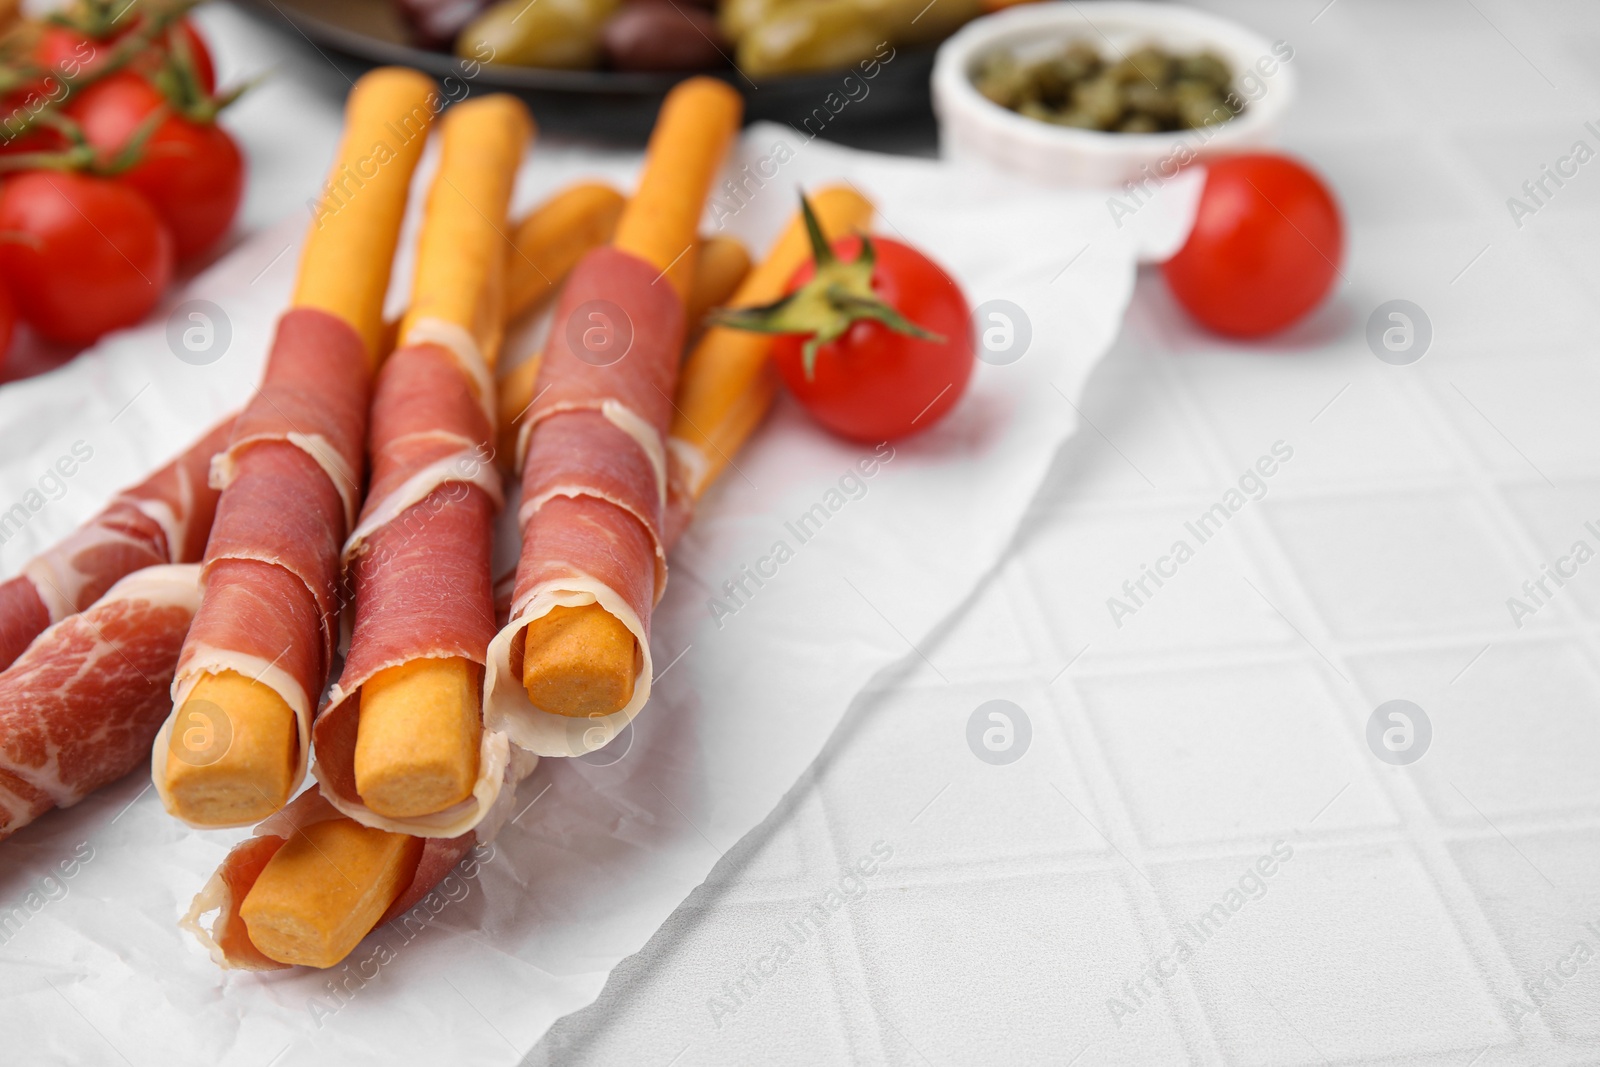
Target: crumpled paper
x=813, y=566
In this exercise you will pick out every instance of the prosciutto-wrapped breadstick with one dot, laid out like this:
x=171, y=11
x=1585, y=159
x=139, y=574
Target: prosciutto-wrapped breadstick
x=164, y=519
x=259, y=651
x=711, y=419
x=327, y=880
x=321, y=880
x=79, y=708
x=593, y=561
x=720, y=265
x=400, y=745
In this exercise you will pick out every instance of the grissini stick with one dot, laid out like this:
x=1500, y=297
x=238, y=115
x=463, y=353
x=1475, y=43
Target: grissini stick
x=323, y=895
x=400, y=744
x=721, y=265
x=259, y=651
x=594, y=479
x=551, y=240
x=716, y=411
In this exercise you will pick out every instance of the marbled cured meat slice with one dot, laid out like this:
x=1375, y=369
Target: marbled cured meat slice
x=291, y=483
x=583, y=454
x=81, y=706
x=615, y=342
x=419, y=561
x=23, y=617
x=227, y=937
x=164, y=519
x=594, y=485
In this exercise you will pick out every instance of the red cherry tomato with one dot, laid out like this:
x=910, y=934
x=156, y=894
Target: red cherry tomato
x=872, y=383
x=191, y=173
x=1265, y=248
x=69, y=53
x=81, y=255
x=8, y=322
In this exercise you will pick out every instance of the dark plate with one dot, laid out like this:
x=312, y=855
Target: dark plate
x=616, y=106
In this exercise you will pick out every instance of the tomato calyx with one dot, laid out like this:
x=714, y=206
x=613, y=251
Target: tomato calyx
x=95, y=19
x=838, y=296
x=178, y=78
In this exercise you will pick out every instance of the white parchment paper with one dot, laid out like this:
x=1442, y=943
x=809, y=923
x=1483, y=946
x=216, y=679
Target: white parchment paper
x=760, y=648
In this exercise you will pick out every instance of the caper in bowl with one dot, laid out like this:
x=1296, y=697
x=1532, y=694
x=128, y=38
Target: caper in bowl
x=1148, y=90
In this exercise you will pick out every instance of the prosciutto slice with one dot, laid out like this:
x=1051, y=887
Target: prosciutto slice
x=594, y=487
x=227, y=938
x=290, y=482
x=82, y=705
x=164, y=519
x=419, y=561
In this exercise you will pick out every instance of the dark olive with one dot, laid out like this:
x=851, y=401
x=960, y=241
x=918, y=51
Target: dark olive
x=655, y=35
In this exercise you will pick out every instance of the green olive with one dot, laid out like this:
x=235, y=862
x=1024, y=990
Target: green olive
x=914, y=22
x=538, y=33
x=810, y=35
x=738, y=17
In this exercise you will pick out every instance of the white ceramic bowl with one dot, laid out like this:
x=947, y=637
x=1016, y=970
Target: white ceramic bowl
x=973, y=128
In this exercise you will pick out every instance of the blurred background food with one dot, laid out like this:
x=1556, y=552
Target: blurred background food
x=759, y=37
x=1146, y=91
x=600, y=68
x=115, y=171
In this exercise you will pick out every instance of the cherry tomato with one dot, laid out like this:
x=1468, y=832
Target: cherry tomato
x=67, y=53
x=191, y=173
x=81, y=255
x=873, y=383
x=8, y=322
x=70, y=53
x=1265, y=248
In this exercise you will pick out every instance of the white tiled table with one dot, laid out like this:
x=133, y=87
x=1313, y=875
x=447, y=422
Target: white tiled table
x=1229, y=714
